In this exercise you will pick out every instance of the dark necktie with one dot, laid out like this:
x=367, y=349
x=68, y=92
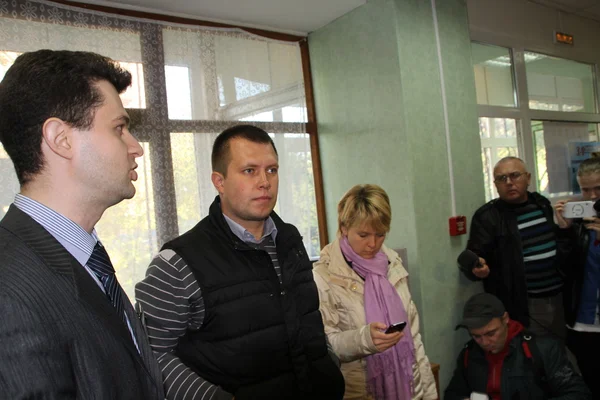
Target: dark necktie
x=100, y=264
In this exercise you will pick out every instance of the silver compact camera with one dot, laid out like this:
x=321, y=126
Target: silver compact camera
x=579, y=209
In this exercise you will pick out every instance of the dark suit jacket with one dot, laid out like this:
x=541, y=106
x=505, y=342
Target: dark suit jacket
x=60, y=337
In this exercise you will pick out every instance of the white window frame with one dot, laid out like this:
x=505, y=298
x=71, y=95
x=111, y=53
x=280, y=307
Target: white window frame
x=522, y=113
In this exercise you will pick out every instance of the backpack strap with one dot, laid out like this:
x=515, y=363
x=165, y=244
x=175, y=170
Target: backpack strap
x=526, y=349
x=533, y=354
x=467, y=353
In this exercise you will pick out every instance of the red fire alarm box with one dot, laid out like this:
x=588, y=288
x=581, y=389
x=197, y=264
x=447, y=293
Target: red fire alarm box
x=458, y=225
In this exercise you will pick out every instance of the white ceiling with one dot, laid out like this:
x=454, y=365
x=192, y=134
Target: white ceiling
x=298, y=17
x=585, y=8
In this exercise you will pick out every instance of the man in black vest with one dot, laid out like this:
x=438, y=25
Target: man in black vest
x=231, y=306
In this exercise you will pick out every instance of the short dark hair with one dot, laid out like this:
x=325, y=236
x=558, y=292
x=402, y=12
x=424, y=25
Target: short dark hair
x=45, y=84
x=220, y=153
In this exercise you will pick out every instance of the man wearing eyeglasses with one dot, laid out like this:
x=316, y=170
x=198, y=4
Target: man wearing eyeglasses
x=519, y=248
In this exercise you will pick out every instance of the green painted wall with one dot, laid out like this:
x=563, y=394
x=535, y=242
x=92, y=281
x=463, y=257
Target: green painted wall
x=379, y=105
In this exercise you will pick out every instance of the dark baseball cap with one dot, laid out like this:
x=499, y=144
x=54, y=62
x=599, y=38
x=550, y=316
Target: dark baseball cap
x=479, y=310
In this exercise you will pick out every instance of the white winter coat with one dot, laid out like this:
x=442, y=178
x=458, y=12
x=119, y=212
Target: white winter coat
x=341, y=294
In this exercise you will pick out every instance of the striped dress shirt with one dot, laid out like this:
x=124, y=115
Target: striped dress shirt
x=70, y=235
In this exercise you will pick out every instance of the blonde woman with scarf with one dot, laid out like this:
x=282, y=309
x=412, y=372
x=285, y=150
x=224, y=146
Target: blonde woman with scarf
x=363, y=288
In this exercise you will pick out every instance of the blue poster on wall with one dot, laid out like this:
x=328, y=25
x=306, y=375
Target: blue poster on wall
x=579, y=151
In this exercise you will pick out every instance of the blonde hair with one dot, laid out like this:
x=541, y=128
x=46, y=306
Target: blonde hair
x=589, y=166
x=365, y=204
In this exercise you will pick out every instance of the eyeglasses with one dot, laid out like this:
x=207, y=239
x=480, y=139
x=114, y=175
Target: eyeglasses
x=514, y=176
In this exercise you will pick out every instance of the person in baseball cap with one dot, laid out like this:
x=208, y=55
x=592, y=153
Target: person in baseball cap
x=480, y=309
x=503, y=361
x=486, y=319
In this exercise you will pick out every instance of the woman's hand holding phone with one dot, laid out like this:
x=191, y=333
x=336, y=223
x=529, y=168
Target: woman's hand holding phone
x=397, y=327
x=382, y=340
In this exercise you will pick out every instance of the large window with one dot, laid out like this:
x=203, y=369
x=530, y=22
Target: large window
x=498, y=140
x=8, y=182
x=548, y=116
x=493, y=70
x=559, y=149
x=189, y=83
x=557, y=84
x=494, y=83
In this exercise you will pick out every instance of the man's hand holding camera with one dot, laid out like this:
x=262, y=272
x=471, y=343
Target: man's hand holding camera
x=564, y=209
x=559, y=209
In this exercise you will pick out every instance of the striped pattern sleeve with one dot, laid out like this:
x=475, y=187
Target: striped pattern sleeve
x=171, y=301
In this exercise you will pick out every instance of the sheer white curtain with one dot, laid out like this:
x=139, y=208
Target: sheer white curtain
x=190, y=83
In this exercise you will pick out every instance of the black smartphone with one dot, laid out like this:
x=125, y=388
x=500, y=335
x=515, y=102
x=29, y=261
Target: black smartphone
x=397, y=327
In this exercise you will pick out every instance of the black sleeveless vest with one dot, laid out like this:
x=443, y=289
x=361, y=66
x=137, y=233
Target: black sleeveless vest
x=259, y=338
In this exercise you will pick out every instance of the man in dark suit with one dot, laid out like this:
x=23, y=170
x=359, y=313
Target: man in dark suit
x=67, y=330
